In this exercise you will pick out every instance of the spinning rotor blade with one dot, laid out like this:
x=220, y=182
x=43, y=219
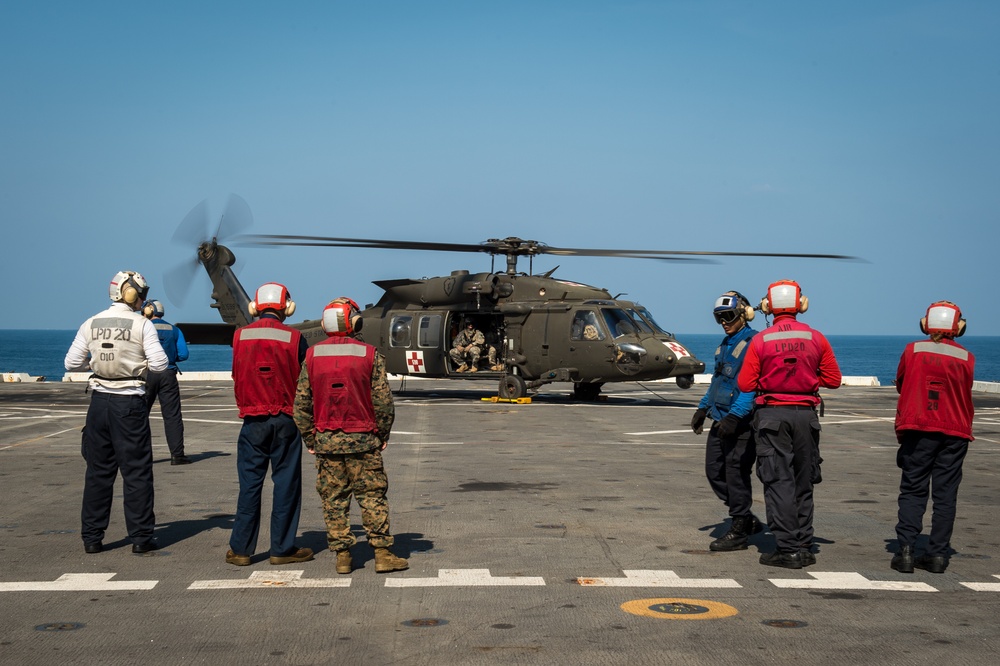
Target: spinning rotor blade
x=329, y=241
x=236, y=218
x=513, y=247
x=195, y=231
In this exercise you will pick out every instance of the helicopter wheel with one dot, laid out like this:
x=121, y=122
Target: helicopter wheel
x=587, y=392
x=513, y=387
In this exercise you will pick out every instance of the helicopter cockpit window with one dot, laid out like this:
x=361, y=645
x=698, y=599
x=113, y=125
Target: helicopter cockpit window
x=652, y=322
x=639, y=322
x=619, y=323
x=429, y=332
x=400, y=331
x=586, y=326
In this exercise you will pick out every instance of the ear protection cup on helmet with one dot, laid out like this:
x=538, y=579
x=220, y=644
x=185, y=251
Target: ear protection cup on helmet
x=748, y=311
x=148, y=309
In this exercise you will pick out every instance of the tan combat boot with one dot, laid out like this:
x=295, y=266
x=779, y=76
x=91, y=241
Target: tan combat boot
x=473, y=369
x=344, y=564
x=385, y=561
x=462, y=368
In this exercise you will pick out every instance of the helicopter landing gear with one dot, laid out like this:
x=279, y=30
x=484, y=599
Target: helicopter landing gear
x=587, y=392
x=513, y=387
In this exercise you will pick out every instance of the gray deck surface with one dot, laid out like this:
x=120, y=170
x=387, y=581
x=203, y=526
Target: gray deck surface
x=528, y=528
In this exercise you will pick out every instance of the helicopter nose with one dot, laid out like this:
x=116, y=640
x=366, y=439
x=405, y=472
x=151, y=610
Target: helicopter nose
x=689, y=365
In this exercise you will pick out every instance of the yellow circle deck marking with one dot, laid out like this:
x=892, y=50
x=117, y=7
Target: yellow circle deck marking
x=686, y=609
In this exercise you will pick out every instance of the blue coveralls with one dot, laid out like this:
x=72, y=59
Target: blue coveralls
x=728, y=463
x=163, y=386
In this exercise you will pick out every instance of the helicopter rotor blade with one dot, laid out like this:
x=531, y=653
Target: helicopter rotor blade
x=177, y=281
x=193, y=229
x=329, y=241
x=517, y=247
x=236, y=218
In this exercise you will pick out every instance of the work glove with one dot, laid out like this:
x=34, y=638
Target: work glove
x=727, y=427
x=698, y=420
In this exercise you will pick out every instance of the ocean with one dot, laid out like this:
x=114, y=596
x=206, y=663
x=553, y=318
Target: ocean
x=41, y=353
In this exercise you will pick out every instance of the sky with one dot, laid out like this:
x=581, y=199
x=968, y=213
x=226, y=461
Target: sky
x=866, y=129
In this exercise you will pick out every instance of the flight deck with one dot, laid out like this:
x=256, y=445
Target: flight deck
x=555, y=532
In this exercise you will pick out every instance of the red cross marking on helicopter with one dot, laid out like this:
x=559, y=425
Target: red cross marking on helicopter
x=678, y=349
x=415, y=361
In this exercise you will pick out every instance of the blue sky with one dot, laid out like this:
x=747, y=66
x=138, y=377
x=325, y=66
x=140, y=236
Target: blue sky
x=859, y=128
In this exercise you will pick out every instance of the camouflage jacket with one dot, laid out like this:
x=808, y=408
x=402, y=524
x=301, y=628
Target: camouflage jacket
x=338, y=441
x=465, y=339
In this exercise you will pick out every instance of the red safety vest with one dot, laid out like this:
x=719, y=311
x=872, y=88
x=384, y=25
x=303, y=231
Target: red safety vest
x=340, y=375
x=265, y=367
x=934, y=381
x=785, y=362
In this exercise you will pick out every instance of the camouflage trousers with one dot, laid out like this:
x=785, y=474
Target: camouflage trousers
x=360, y=474
x=474, y=353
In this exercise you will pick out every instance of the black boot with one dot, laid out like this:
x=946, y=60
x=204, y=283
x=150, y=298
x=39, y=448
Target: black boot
x=933, y=563
x=736, y=537
x=903, y=560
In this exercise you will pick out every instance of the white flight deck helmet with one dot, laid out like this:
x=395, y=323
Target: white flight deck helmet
x=128, y=287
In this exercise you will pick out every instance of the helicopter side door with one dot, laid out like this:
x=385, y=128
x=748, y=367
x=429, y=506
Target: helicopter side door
x=417, y=344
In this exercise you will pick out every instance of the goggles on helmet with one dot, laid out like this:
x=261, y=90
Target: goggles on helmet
x=726, y=316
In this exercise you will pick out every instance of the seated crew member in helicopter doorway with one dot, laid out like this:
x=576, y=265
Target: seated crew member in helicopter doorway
x=163, y=386
x=785, y=424
x=729, y=450
x=934, y=428
x=344, y=410
x=467, y=347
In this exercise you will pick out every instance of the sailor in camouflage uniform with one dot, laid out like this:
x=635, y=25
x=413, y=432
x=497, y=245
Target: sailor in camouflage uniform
x=344, y=410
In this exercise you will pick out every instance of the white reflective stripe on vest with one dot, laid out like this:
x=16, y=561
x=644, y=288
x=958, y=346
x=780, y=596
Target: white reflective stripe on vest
x=266, y=334
x=943, y=350
x=112, y=322
x=738, y=349
x=339, y=350
x=788, y=335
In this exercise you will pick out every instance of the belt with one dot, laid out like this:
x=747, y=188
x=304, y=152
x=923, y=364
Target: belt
x=812, y=407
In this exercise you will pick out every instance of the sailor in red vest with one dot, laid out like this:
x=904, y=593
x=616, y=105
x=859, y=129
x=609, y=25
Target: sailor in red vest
x=344, y=410
x=786, y=365
x=267, y=356
x=934, y=428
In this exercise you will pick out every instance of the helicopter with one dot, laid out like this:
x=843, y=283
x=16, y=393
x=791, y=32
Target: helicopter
x=543, y=329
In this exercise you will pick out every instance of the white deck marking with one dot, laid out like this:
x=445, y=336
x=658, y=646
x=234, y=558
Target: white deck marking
x=269, y=579
x=983, y=587
x=664, y=432
x=464, y=578
x=848, y=580
x=79, y=582
x=651, y=578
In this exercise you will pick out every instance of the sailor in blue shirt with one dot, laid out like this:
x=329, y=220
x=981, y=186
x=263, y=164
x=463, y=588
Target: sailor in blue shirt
x=163, y=385
x=729, y=452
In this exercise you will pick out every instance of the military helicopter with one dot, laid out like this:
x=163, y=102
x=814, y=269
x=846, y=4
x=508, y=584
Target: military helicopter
x=543, y=329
